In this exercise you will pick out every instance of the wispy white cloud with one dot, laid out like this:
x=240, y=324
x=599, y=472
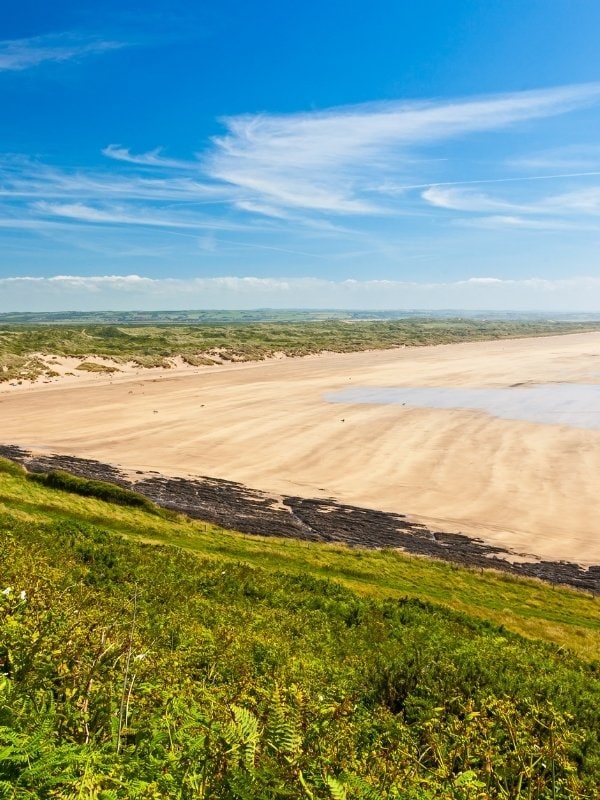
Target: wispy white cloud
x=579, y=201
x=152, y=158
x=393, y=188
x=119, y=215
x=21, y=54
x=283, y=181
x=325, y=161
x=30, y=179
x=29, y=223
x=507, y=221
x=457, y=199
x=563, y=207
x=567, y=157
x=345, y=160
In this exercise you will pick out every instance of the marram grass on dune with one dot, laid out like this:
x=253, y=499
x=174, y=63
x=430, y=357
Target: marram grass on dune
x=26, y=350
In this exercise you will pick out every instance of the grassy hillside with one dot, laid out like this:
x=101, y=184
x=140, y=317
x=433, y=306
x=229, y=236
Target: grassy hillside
x=528, y=607
x=23, y=347
x=229, y=667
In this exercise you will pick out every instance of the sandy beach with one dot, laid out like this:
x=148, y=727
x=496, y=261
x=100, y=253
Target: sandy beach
x=531, y=487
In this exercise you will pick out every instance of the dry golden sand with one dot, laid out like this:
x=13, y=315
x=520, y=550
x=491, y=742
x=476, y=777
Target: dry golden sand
x=534, y=488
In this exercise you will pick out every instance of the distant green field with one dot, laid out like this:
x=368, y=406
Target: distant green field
x=235, y=317
x=25, y=348
x=237, y=667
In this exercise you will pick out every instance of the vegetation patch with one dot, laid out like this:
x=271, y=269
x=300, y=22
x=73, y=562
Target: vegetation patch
x=227, y=668
x=155, y=345
x=151, y=361
x=93, y=366
x=534, y=609
x=19, y=368
x=57, y=479
x=198, y=361
x=12, y=468
x=136, y=671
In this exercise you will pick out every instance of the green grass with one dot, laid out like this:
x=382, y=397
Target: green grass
x=241, y=668
x=531, y=608
x=154, y=345
x=58, y=479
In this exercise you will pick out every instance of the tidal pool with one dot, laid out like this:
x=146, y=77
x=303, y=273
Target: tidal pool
x=574, y=404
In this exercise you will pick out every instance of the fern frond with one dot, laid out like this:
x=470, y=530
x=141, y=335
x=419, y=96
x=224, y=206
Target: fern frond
x=247, y=723
x=243, y=735
x=337, y=790
x=7, y=790
x=362, y=789
x=282, y=727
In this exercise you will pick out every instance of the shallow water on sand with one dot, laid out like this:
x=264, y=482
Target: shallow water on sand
x=574, y=404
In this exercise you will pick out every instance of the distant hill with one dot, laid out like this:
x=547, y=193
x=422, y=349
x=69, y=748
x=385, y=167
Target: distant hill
x=218, y=317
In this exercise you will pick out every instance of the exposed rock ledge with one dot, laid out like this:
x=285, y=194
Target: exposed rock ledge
x=234, y=506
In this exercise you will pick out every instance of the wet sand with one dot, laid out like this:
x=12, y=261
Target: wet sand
x=530, y=487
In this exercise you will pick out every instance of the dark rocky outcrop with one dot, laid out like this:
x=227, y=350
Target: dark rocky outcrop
x=237, y=507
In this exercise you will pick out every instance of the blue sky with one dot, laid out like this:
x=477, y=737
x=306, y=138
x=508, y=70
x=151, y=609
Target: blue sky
x=239, y=155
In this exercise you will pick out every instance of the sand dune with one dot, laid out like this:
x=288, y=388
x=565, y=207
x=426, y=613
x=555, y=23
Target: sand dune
x=532, y=487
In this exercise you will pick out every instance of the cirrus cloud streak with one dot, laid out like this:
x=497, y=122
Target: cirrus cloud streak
x=17, y=55
x=327, y=160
